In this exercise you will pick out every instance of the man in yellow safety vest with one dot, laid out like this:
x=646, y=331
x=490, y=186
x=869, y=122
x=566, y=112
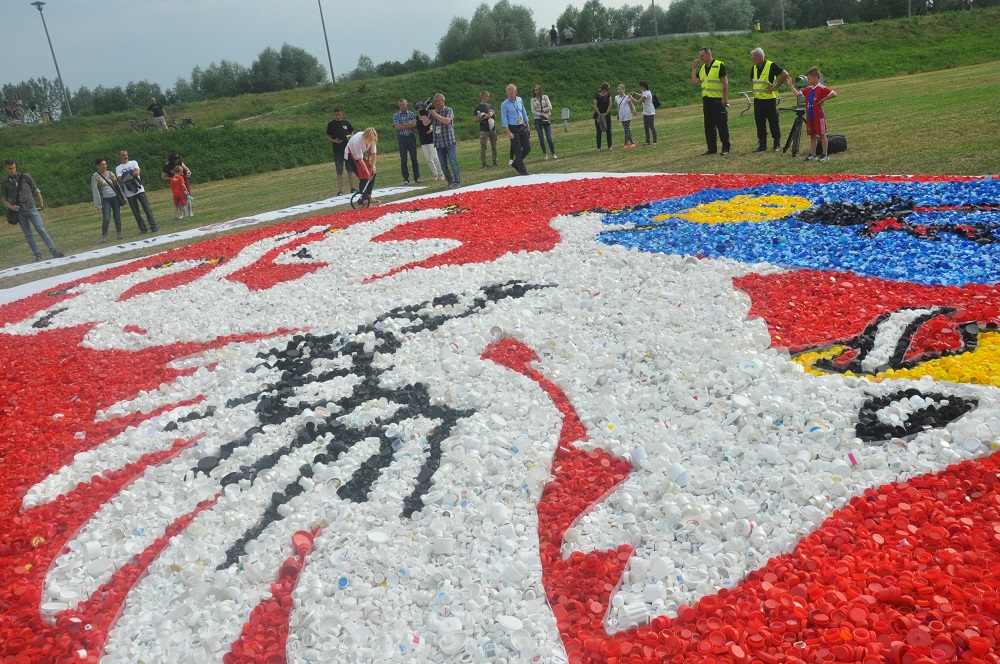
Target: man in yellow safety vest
x=766, y=77
x=714, y=82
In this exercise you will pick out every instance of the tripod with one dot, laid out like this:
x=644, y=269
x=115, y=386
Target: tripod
x=796, y=134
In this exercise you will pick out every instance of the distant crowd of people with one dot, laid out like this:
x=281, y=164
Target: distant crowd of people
x=110, y=189
x=431, y=124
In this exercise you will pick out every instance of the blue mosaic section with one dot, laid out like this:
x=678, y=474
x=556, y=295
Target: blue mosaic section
x=905, y=231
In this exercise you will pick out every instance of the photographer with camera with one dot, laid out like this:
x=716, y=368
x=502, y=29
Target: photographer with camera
x=16, y=192
x=128, y=172
x=443, y=118
x=425, y=133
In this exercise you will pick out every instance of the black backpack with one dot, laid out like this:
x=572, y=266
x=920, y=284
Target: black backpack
x=836, y=143
x=656, y=101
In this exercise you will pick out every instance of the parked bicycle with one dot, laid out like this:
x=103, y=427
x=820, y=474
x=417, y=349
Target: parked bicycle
x=145, y=125
x=186, y=123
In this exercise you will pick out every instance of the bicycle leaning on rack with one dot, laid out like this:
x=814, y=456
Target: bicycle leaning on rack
x=186, y=123
x=145, y=125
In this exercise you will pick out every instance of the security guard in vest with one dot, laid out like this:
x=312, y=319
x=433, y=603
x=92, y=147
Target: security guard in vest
x=711, y=76
x=766, y=77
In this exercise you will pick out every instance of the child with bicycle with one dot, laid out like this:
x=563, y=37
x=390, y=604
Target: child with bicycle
x=816, y=94
x=178, y=188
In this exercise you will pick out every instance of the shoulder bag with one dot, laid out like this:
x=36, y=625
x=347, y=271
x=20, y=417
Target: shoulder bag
x=14, y=218
x=546, y=118
x=115, y=188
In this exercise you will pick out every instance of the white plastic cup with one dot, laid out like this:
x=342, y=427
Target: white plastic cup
x=745, y=507
x=677, y=473
x=91, y=550
x=444, y=546
x=452, y=643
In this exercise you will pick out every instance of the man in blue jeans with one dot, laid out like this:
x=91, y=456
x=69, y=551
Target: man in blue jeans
x=405, y=124
x=444, y=140
x=17, y=191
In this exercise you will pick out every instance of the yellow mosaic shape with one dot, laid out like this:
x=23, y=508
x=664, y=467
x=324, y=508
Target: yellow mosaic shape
x=743, y=208
x=980, y=367
x=808, y=359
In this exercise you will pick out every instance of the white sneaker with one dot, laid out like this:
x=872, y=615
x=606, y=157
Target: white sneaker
x=546, y=157
x=510, y=162
x=554, y=156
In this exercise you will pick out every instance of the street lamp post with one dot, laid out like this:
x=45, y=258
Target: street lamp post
x=326, y=39
x=38, y=4
x=656, y=33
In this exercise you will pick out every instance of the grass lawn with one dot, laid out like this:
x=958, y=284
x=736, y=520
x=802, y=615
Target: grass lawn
x=931, y=123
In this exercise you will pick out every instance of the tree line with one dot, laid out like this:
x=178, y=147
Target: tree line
x=273, y=69
x=511, y=27
x=502, y=27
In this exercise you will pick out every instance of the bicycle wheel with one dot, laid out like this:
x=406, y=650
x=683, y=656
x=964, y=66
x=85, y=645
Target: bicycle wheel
x=188, y=123
x=132, y=128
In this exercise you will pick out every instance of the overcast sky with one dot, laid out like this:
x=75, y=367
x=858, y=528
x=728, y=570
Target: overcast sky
x=113, y=42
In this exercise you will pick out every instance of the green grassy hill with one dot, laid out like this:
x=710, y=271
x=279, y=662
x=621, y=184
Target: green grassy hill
x=262, y=133
x=939, y=122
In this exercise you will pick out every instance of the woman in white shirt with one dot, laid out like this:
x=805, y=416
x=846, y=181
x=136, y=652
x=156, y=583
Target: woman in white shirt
x=625, y=111
x=648, y=110
x=541, y=108
x=362, y=153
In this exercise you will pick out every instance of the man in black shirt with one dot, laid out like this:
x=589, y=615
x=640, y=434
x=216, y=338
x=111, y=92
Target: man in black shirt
x=338, y=131
x=159, y=115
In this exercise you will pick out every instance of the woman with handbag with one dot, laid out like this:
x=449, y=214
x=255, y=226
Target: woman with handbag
x=541, y=108
x=625, y=111
x=108, y=196
x=602, y=113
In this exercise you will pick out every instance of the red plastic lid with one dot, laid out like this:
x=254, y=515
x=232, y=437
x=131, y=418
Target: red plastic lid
x=302, y=540
x=919, y=636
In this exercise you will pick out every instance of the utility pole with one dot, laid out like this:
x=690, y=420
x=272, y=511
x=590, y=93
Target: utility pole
x=38, y=4
x=333, y=79
x=656, y=33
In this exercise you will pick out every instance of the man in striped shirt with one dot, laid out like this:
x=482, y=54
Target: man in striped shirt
x=405, y=123
x=444, y=140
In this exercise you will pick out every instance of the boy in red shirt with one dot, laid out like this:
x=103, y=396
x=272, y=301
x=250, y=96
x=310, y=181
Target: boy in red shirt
x=180, y=192
x=816, y=93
